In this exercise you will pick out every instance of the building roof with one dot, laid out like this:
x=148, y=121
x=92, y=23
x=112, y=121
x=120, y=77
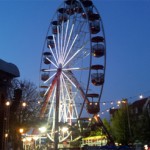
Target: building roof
x=139, y=103
x=9, y=68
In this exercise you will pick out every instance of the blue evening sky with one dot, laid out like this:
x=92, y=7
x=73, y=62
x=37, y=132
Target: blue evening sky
x=23, y=27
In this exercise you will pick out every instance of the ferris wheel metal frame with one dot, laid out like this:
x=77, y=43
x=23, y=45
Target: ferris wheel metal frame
x=72, y=67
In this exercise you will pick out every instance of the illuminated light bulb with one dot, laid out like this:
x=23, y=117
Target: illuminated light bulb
x=64, y=129
x=7, y=103
x=24, y=104
x=42, y=129
x=6, y=135
x=21, y=130
x=119, y=102
x=104, y=103
x=141, y=96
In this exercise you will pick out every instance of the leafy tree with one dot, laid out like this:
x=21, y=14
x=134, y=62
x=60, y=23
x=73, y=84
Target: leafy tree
x=128, y=128
x=141, y=127
x=120, y=126
x=107, y=125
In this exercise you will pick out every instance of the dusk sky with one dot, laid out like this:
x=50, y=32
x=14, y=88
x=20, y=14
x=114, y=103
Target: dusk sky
x=23, y=28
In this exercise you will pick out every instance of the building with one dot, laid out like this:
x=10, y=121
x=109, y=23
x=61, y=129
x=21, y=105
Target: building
x=139, y=106
x=8, y=71
x=136, y=108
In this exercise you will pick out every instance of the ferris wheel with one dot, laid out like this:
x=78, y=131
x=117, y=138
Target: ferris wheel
x=72, y=70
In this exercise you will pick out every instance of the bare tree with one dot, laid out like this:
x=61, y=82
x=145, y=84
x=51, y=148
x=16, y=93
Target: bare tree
x=24, y=108
x=28, y=102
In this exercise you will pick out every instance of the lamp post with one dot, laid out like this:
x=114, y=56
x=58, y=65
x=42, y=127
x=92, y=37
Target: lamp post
x=23, y=105
x=21, y=131
x=19, y=119
x=125, y=102
x=6, y=124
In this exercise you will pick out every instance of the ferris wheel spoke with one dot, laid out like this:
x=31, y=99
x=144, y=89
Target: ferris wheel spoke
x=47, y=90
x=50, y=77
x=71, y=69
x=73, y=55
x=51, y=62
x=51, y=110
x=68, y=79
x=68, y=100
x=70, y=47
x=52, y=104
x=61, y=47
x=58, y=40
x=74, y=104
x=68, y=40
x=66, y=89
x=56, y=49
x=77, y=84
x=64, y=42
x=50, y=70
x=62, y=104
x=53, y=55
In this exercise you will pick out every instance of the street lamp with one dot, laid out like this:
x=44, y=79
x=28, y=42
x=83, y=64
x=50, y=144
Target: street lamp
x=118, y=103
x=6, y=122
x=24, y=104
x=21, y=130
x=141, y=96
x=125, y=101
x=7, y=103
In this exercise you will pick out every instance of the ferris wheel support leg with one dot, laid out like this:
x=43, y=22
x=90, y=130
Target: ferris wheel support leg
x=56, y=137
x=110, y=139
x=83, y=94
x=43, y=109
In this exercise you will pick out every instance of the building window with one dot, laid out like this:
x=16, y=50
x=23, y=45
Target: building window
x=136, y=110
